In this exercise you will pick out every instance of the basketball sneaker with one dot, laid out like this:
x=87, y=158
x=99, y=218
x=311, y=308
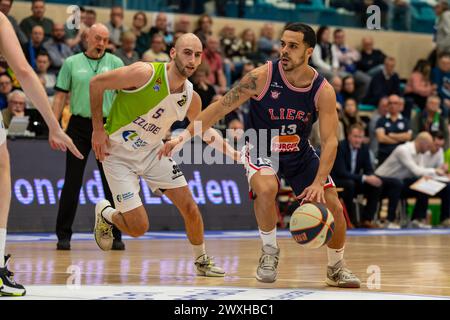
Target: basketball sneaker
x=268, y=263
x=8, y=287
x=103, y=229
x=340, y=276
x=206, y=267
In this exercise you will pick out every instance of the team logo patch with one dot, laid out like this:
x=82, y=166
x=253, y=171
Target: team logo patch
x=158, y=81
x=129, y=135
x=124, y=196
x=285, y=143
x=274, y=94
x=183, y=100
x=156, y=87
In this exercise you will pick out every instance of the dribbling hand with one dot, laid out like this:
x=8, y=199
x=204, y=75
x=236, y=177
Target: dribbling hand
x=314, y=193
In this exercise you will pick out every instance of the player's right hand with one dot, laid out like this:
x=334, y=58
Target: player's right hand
x=100, y=144
x=170, y=147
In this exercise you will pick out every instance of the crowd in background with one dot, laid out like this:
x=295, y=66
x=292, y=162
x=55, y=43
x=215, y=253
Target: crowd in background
x=406, y=109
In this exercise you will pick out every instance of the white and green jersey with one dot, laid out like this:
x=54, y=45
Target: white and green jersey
x=140, y=119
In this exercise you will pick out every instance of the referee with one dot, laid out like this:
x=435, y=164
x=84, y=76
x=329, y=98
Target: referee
x=74, y=77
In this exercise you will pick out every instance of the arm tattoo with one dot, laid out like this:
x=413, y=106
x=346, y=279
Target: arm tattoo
x=247, y=84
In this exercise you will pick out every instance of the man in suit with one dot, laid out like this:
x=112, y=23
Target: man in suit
x=353, y=171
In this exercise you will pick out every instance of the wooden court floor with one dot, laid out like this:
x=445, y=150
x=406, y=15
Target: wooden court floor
x=407, y=264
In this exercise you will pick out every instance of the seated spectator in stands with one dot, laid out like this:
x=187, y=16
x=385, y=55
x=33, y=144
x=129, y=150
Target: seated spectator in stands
x=127, y=52
x=56, y=48
x=91, y=18
x=36, y=45
x=372, y=60
x=82, y=45
x=384, y=83
x=267, y=44
x=324, y=57
x=183, y=24
x=419, y=87
x=161, y=28
x=440, y=76
x=348, y=88
x=247, y=46
x=380, y=112
x=411, y=161
x=353, y=171
x=348, y=58
x=156, y=53
x=443, y=26
x=204, y=28
x=213, y=58
x=73, y=30
x=235, y=129
x=5, y=8
x=142, y=37
x=115, y=27
x=201, y=85
x=350, y=115
x=392, y=129
x=229, y=43
x=431, y=119
x=17, y=102
x=337, y=85
x=314, y=138
x=5, y=88
x=37, y=19
x=43, y=62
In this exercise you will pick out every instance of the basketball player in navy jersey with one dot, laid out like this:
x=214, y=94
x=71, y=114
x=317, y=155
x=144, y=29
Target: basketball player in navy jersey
x=287, y=95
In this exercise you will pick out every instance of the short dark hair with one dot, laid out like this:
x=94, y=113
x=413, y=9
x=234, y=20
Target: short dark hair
x=355, y=126
x=337, y=31
x=309, y=36
x=91, y=12
x=438, y=135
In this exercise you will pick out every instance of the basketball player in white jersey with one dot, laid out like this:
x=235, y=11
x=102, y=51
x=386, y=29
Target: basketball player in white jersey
x=11, y=50
x=151, y=96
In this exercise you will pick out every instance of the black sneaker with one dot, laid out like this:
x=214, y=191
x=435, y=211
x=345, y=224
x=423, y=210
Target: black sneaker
x=118, y=245
x=63, y=245
x=8, y=287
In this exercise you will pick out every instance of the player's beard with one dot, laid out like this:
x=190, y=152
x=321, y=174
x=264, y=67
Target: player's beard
x=181, y=69
x=294, y=65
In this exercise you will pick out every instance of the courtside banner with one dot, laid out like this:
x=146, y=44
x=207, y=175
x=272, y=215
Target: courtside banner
x=220, y=190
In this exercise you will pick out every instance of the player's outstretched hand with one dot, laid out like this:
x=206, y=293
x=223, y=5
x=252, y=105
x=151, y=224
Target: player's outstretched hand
x=314, y=193
x=170, y=147
x=59, y=140
x=100, y=144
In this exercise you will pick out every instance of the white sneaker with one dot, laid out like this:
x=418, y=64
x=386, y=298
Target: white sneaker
x=393, y=226
x=206, y=267
x=102, y=229
x=419, y=224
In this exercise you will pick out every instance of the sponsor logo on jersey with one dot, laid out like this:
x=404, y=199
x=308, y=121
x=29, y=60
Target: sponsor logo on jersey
x=156, y=87
x=158, y=81
x=124, y=196
x=183, y=100
x=285, y=143
x=147, y=126
x=275, y=84
x=288, y=114
x=131, y=135
x=274, y=94
x=176, y=171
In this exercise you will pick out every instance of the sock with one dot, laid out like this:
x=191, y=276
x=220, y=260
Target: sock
x=108, y=214
x=199, y=250
x=269, y=238
x=2, y=246
x=334, y=256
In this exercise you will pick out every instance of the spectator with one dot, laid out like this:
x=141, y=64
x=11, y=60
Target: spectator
x=17, y=102
x=380, y=112
x=183, y=24
x=142, y=37
x=400, y=15
x=43, y=62
x=247, y=47
x=156, y=51
x=176, y=35
x=337, y=85
x=267, y=44
x=73, y=30
x=56, y=47
x=115, y=27
x=82, y=45
x=127, y=52
x=315, y=131
x=161, y=28
x=419, y=87
x=5, y=8
x=37, y=19
x=204, y=28
x=384, y=83
x=350, y=114
x=443, y=26
x=91, y=18
x=5, y=88
x=230, y=43
x=348, y=58
x=440, y=76
x=408, y=163
x=392, y=130
x=371, y=59
x=201, y=85
x=348, y=88
x=353, y=171
x=324, y=57
x=34, y=46
x=213, y=58
x=431, y=119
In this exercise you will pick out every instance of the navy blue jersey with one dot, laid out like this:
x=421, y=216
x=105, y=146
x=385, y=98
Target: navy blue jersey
x=292, y=111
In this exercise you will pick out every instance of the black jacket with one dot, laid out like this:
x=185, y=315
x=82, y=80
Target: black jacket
x=342, y=165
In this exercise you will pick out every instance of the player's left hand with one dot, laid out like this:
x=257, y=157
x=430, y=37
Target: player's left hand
x=170, y=147
x=314, y=193
x=59, y=140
